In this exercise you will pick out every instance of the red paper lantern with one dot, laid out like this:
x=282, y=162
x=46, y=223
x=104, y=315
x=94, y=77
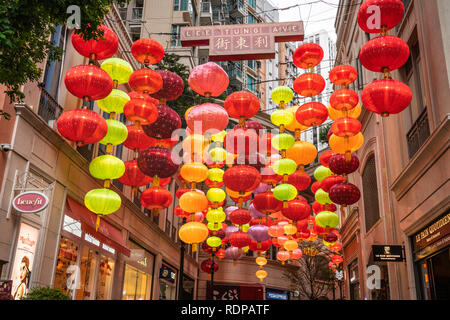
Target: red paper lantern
x=208, y=266
x=312, y=114
x=241, y=199
x=146, y=81
x=207, y=117
x=240, y=216
x=337, y=259
x=344, y=99
x=163, y=181
x=343, y=75
x=137, y=139
x=330, y=237
x=296, y=210
x=344, y=194
x=338, y=164
x=315, y=186
x=137, y=95
x=213, y=184
x=181, y=191
x=390, y=13
x=220, y=253
x=309, y=84
x=266, y=221
x=241, y=178
x=319, y=230
x=265, y=144
x=268, y=176
x=208, y=79
x=140, y=111
x=156, y=198
x=242, y=104
x=325, y=157
x=239, y=239
x=336, y=247
x=88, y=82
x=172, y=88
x=384, y=53
x=330, y=181
x=317, y=207
x=156, y=161
x=80, y=125
x=181, y=213
x=300, y=180
x=386, y=96
x=262, y=246
x=102, y=48
x=308, y=55
x=346, y=127
x=147, y=51
x=167, y=122
x=133, y=176
x=266, y=202
x=241, y=141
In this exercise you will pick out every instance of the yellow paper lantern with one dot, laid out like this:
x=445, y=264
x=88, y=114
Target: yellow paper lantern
x=102, y=201
x=216, y=215
x=114, y=102
x=218, y=137
x=261, y=261
x=346, y=145
x=337, y=114
x=261, y=275
x=282, y=94
x=283, y=141
x=107, y=167
x=235, y=194
x=302, y=152
x=118, y=69
x=215, y=174
x=117, y=133
x=289, y=229
x=216, y=195
x=290, y=245
x=193, y=233
x=193, y=201
x=218, y=155
x=295, y=125
x=282, y=118
x=194, y=172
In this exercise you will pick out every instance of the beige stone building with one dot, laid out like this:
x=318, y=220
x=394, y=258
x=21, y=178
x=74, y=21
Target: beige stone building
x=404, y=163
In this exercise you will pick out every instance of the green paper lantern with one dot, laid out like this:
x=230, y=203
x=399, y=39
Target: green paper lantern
x=282, y=117
x=215, y=174
x=115, y=102
x=282, y=94
x=216, y=195
x=102, y=201
x=329, y=244
x=245, y=249
x=284, y=166
x=218, y=154
x=327, y=219
x=117, y=133
x=322, y=197
x=214, y=242
x=283, y=141
x=118, y=69
x=107, y=167
x=285, y=192
x=216, y=215
x=245, y=227
x=322, y=172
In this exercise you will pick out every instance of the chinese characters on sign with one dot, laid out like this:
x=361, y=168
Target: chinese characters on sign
x=242, y=42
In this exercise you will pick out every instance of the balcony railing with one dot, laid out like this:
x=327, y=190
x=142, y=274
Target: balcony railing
x=49, y=108
x=418, y=134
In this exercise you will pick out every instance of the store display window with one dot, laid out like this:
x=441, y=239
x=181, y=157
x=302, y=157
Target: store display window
x=167, y=283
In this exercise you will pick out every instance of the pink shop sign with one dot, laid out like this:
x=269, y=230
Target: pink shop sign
x=30, y=202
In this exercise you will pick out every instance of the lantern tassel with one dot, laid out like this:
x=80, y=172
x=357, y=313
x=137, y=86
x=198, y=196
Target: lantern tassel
x=97, y=223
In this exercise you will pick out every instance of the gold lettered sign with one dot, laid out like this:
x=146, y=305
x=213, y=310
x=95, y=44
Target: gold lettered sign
x=433, y=232
x=242, y=41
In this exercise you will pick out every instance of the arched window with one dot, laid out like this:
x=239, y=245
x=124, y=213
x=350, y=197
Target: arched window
x=370, y=193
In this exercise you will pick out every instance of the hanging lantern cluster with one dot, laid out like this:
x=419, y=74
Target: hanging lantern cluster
x=84, y=126
x=384, y=54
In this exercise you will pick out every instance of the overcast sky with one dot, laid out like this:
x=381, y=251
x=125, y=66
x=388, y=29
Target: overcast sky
x=315, y=14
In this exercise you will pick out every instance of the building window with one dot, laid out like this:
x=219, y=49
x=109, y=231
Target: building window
x=252, y=3
x=353, y=279
x=135, y=32
x=251, y=85
x=370, y=194
x=417, y=117
x=180, y=5
x=252, y=19
x=360, y=79
x=176, y=31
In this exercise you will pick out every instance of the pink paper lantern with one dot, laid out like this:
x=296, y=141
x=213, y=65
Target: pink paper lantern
x=208, y=79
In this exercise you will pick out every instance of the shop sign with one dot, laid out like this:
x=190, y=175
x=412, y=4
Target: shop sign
x=242, y=41
x=30, y=202
x=167, y=274
x=224, y=292
x=433, y=232
x=23, y=261
x=276, y=295
x=387, y=253
x=5, y=289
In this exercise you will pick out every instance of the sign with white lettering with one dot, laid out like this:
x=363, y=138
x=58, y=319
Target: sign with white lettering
x=242, y=41
x=387, y=253
x=276, y=295
x=30, y=202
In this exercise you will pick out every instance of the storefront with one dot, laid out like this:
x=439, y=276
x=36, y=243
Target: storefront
x=353, y=280
x=235, y=291
x=167, y=282
x=138, y=277
x=86, y=258
x=431, y=248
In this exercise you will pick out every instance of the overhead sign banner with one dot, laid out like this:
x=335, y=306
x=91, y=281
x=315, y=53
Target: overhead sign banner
x=242, y=41
x=30, y=202
x=387, y=253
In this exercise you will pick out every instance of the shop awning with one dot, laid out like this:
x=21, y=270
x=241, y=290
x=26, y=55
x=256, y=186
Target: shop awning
x=106, y=233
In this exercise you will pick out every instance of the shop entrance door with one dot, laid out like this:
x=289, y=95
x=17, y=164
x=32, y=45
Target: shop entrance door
x=439, y=267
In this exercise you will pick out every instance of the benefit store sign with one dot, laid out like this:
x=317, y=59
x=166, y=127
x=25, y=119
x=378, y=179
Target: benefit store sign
x=242, y=41
x=30, y=202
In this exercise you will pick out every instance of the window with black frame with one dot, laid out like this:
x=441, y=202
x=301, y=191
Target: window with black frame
x=370, y=193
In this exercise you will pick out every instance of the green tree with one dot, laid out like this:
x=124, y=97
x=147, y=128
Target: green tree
x=25, y=30
x=188, y=98
x=323, y=131
x=46, y=293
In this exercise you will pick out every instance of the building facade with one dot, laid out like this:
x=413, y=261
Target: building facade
x=404, y=163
